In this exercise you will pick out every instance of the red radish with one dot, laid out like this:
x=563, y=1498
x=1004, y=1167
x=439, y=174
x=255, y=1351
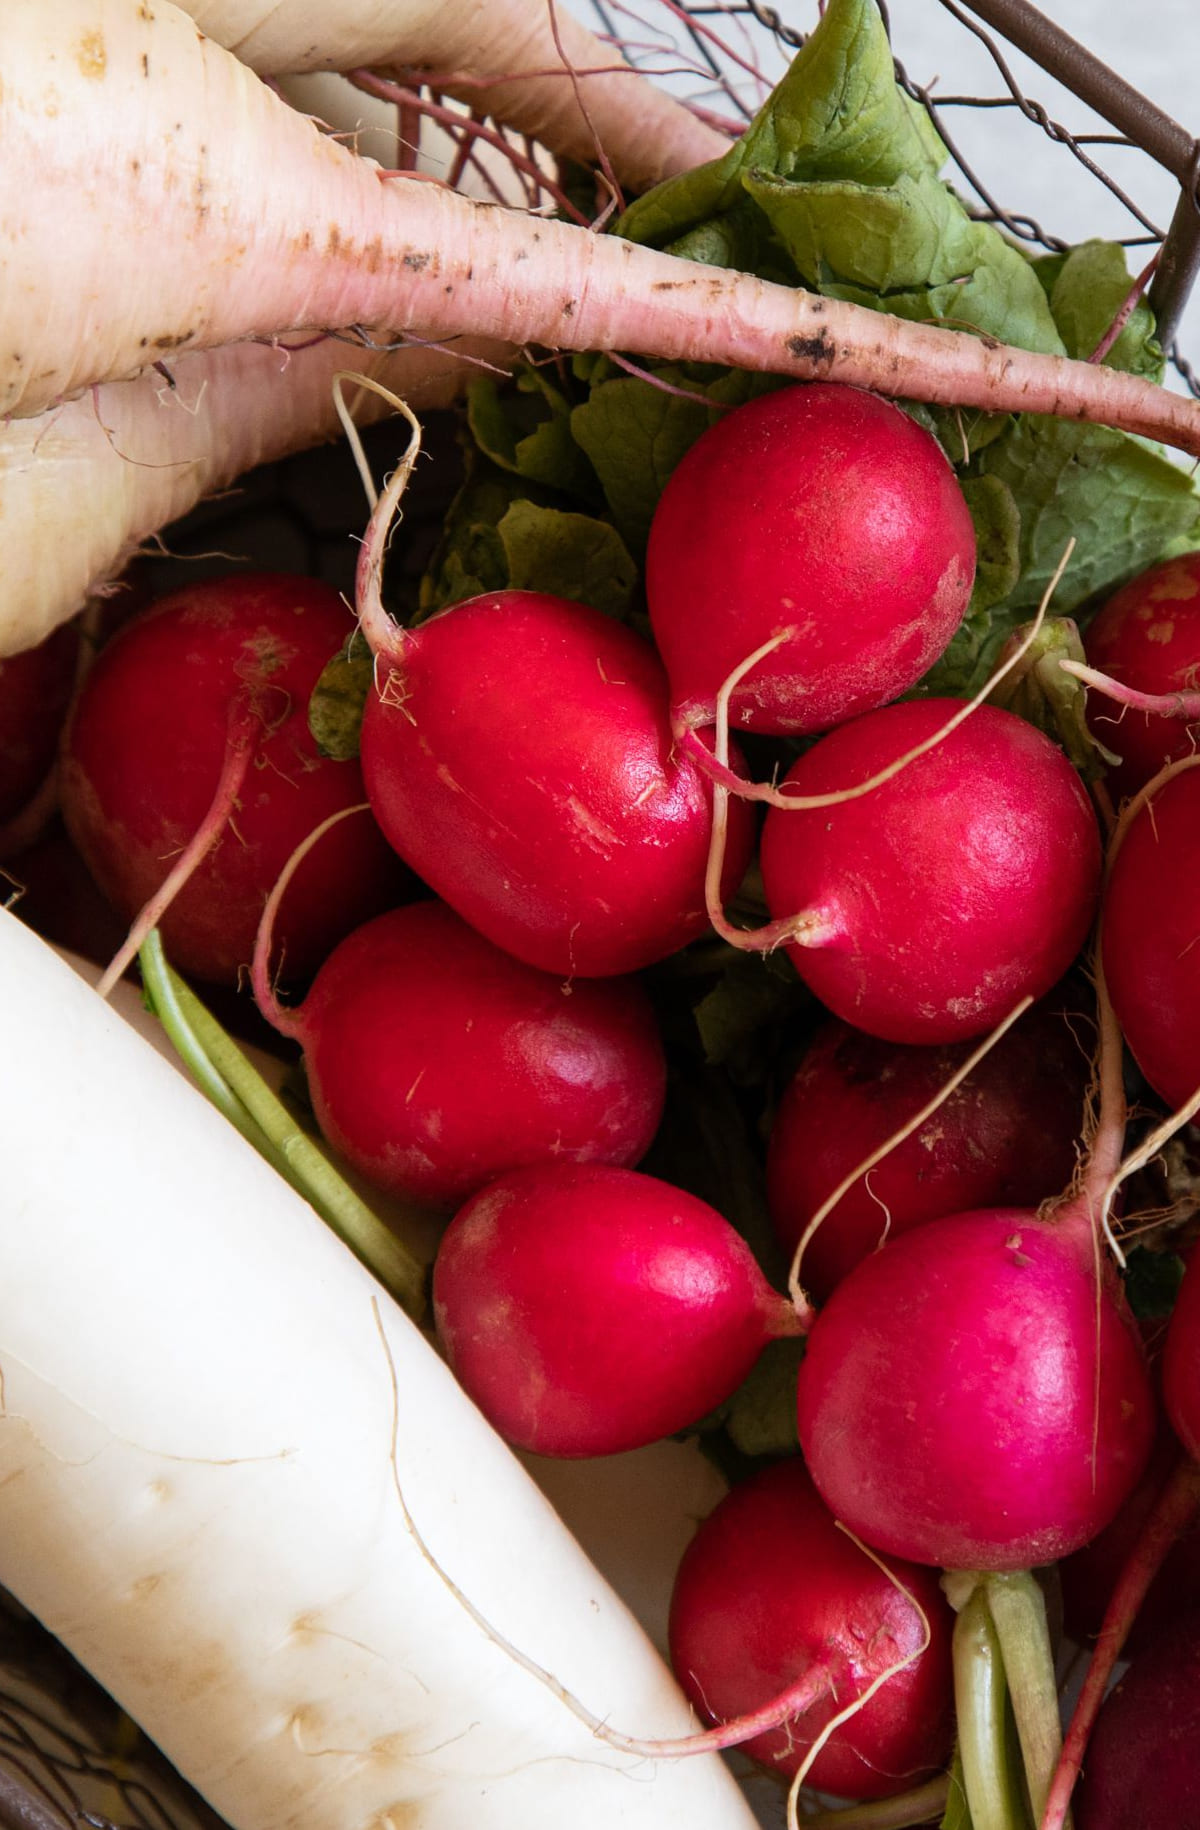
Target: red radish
x=975, y=1395
x=1151, y=960
x=588, y=1310
x=1003, y=1137
x=518, y=755
x=437, y=1063
x=35, y=690
x=770, y=1589
x=1147, y=637
x=822, y=511
x=1143, y=1762
x=924, y=910
x=225, y=663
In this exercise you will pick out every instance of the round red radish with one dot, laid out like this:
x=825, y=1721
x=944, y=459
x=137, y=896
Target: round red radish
x=822, y=511
x=519, y=757
x=1142, y=1769
x=770, y=1589
x=588, y=1310
x=35, y=690
x=1147, y=637
x=1002, y=1138
x=436, y=1062
x=1150, y=929
x=144, y=751
x=972, y=1397
x=926, y=908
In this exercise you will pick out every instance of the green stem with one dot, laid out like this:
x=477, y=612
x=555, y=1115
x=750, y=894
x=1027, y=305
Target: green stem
x=238, y=1090
x=1018, y=1610
x=995, y=1796
x=920, y=1806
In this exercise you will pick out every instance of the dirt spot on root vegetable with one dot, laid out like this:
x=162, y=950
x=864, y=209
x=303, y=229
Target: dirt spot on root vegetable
x=92, y=56
x=817, y=350
x=416, y=263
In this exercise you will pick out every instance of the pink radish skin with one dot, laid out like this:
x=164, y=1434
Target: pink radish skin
x=145, y=749
x=518, y=755
x=1143, y=1761
x=1002, y=1138
x=305, y=235
x=952, y=1407
x=823, y=510
x=35, y=690
x=927, y=908
x=1149, y=930
x=1148, y=638
x=436, y=1062
x=589, y=1310
x=768, y=1589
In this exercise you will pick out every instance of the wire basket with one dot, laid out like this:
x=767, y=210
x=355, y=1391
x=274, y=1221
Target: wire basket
x=66, y=1758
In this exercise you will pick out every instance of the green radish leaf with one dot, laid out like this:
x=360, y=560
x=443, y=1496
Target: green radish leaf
x=568, y=555
x=971, y=654
x=1152, y=1281
x=1089, y=288
x=742, y=1017
x=335, y=709
x=528, y=431
x=1040, y=692
x=760, y=1417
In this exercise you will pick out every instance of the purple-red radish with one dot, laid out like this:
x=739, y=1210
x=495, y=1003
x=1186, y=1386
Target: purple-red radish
x=1003, y=1137
x=975, y=1395
x=1151, y=960
x=1143, y=1761
x=588, y=1310
x=220, y=673
x=923, y=911
x=1147, y=638
x=518, y=755
x=35, y=690
x=770, y=1590
x=436, y=1062
x=822, y=511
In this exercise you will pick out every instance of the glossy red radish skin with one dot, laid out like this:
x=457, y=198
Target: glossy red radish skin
x=588, y=1310
x=968, y=1397
x=820, y=509
x=436, y=1062
x=1149, y=929
x=518, y=755
x=1002, y=1138
x=145, y=748
x=769, y=1588
x=35, y=690
x=927, y=908
x=1147, y=637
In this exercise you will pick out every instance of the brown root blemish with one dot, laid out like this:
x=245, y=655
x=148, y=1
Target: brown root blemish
x=416, y=262
x=92, y=55
x=817, y=350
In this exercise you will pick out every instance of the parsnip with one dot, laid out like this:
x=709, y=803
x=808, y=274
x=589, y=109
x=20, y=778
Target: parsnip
x=91, y=480
x=238, y=219
x=646, y=133
x=199, y=1442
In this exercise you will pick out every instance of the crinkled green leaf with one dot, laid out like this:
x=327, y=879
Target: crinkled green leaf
x=761, y=1415
x=335, y=708
x=1119, y=498
x=1152, y=1281
x=740, y=1017
x=1090, y=286
x=498, y=536
x=911, y=249
x=964, y=666
x=528, y=431
x=569, y=555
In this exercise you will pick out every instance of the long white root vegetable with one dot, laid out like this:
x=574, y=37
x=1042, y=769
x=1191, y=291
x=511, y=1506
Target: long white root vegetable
x=238, y=219
x=206, y=1403
x=645, y=133
x=86, y=483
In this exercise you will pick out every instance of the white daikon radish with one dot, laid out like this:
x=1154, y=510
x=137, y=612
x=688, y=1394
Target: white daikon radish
x=207, y=1404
